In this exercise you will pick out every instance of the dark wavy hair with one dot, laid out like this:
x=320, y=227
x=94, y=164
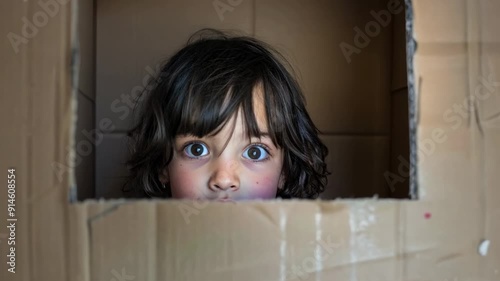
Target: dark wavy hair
x=197, y=92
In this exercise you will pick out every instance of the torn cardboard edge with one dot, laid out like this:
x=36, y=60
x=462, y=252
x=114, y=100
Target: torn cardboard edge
x=411, y=48
x=75, y=79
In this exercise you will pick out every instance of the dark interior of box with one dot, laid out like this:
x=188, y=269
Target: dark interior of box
x=350, y=57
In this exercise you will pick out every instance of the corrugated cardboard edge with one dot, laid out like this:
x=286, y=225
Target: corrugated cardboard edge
x=411, y=48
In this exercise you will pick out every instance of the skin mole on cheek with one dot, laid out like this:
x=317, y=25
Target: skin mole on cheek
x=257, y=182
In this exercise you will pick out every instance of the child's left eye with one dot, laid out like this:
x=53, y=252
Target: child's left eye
x=256, y=153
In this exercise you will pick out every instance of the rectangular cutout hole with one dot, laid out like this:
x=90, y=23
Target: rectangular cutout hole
x=349, y=57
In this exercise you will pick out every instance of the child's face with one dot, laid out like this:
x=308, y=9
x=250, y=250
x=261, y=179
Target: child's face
x=201, y=169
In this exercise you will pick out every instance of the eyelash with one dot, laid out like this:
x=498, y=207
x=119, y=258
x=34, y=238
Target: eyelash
x=190, y=143
x=263, y=146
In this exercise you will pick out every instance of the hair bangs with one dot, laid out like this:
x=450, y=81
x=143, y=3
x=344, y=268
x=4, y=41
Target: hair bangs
x=208, y=108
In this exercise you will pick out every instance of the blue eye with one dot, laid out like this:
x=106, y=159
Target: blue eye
x=196, y=150
x=256, y=153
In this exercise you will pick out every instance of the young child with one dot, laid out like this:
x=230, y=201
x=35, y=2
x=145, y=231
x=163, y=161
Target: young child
x=226, y=121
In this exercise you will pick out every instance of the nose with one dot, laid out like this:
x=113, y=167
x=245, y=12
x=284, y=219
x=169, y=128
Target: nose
x=224, y=176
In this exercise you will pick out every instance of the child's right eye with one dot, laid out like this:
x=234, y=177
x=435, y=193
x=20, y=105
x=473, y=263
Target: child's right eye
x=196, y=150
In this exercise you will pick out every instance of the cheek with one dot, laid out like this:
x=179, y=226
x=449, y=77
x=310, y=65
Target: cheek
x=183, y=181
x=265, y=186
x=264, y=182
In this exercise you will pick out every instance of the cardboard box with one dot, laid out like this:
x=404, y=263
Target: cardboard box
x=449, y=233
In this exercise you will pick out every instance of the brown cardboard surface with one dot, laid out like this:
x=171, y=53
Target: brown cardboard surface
x=434, y=238
x=14, y=141
x=87, y=51
x=357, y=164
x=111, y=171
x=85, y=172
x=399, y=161
x=157, y=29
x=399, y=72
x=353, y=92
